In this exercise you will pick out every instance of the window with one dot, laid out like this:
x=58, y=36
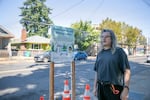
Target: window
x=36, y=46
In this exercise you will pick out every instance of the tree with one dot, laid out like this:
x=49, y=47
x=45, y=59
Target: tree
x=113, y=25
x=142, y=40
x=126, y=35
x=132, y=36
x=84, y=34
x=34, y=13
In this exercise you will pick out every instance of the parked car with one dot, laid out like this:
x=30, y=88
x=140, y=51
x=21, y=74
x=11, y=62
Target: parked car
x=79, y=55
x=44, y=57
x=148, y=58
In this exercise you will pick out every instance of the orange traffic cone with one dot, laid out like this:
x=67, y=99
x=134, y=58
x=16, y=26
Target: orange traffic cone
x=41, y=98
x=66, y=94
x=87, y=93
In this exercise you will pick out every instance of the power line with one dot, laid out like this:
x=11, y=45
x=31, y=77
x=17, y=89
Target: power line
x=146, y=2
x=71, y=7
x=96, y=9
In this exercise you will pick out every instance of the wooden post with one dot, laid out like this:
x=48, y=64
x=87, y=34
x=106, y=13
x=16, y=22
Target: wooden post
x=51, y=81
x=73, y=81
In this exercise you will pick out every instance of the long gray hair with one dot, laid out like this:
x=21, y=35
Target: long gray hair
x=113, y=40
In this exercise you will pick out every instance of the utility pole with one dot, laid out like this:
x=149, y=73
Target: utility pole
x=147, y=46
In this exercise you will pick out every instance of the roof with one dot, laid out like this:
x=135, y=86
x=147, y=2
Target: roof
x=33, y=39
x=4, y=33
x=15, y=40
x=37, y=39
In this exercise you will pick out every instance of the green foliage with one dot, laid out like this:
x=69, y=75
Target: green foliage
x=85, y=34
x=113, y=25
x=126, y=35
x=34, y=13
x=132, y=35
x=142, y=40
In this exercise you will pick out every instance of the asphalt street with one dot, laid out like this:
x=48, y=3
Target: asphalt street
x=29, y=80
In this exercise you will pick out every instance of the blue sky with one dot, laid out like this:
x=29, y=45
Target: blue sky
x=66, y=12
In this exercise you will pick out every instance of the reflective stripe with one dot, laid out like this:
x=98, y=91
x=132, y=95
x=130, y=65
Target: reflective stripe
x=86, y=97
x=66, y=91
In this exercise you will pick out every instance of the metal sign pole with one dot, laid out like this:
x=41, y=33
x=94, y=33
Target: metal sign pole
x=73, y=81
x=51, y=81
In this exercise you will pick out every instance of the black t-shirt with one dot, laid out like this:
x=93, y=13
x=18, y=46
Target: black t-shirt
x=110, y=67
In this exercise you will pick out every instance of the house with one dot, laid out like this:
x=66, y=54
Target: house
x=32, y=44
x=5, y=47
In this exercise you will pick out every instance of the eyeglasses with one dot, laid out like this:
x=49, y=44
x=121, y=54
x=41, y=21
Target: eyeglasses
x=107, y=36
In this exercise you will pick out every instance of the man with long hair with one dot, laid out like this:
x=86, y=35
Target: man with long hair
x=112, y=69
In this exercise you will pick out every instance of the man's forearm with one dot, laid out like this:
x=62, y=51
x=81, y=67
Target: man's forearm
x=95, y=81
x=127, y=77
x=125, y=92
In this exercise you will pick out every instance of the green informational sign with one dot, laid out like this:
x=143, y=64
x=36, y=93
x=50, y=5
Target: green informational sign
x=62, y=43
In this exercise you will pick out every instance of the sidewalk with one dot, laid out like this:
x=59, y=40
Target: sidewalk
x=15, y=59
